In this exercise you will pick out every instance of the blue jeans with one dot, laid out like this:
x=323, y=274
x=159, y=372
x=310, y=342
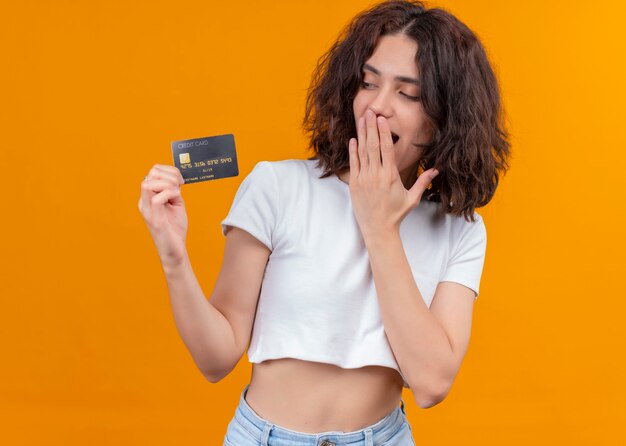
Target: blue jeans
x=249, y=429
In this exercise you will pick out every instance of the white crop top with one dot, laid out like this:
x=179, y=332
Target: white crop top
x=318, y=301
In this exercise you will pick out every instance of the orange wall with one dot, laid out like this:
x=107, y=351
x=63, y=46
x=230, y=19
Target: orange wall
x=92, y=93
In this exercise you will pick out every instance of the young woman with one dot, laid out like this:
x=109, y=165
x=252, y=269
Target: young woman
x=353, y=273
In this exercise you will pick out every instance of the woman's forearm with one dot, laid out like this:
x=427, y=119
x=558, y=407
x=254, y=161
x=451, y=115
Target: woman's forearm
x=205, y=331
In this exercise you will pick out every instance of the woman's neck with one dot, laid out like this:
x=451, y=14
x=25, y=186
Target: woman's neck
x=408, y=176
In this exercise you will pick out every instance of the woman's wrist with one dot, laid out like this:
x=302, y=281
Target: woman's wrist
x=173, y=265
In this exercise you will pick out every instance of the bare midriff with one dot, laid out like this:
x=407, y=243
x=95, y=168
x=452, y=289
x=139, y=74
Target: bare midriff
x=313, y=397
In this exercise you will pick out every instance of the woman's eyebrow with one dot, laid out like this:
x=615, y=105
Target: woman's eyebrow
x=405, y=79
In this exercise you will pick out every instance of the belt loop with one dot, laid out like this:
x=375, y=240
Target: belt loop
x=369, y=441
x=265, y=436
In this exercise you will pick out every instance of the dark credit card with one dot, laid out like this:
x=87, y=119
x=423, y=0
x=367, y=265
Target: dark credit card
x=203, y=159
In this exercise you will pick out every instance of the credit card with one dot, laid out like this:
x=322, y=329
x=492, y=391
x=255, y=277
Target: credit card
x=203, y=159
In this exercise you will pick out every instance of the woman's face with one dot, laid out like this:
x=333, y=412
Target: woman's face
x=391, y=89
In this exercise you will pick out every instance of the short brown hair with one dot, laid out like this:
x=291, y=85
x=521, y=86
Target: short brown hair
x=460, y=96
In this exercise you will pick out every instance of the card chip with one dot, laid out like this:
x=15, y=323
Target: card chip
x=184, y=158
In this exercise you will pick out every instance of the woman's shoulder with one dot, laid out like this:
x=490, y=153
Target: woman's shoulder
x=291, y=164
x=456, y=224
x=290, y=169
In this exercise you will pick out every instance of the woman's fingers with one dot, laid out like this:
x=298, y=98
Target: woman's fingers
x=158, y=202
x=386, y=143
x=421, y=184
x=160, y=178
x=151, y=187
x=160, y=171
x=362, y=150
x=373, y=144
x=354, y=160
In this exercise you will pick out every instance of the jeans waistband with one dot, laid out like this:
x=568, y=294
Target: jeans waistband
x=260, y=428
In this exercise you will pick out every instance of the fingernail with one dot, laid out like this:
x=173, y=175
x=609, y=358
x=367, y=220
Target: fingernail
x=370, y=114
x=435, y=172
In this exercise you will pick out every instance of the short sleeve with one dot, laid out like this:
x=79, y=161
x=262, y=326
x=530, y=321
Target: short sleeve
x=255, y=206
x=465, y=265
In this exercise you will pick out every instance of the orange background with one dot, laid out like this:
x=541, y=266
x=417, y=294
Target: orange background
x=92, y=93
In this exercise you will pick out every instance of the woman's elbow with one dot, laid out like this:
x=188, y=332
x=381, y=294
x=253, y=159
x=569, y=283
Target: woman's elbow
x=432, y=397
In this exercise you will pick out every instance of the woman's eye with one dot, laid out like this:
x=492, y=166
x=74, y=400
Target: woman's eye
x=412, y=98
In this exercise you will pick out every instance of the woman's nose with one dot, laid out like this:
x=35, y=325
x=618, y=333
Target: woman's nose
x=381, y=104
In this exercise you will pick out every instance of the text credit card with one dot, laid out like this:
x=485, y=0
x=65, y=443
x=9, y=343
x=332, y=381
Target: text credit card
x=209, y=158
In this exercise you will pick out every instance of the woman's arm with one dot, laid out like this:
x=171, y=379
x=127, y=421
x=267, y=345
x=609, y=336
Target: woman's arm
x=217, y=332
x=207, y=334
x=428, y=345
